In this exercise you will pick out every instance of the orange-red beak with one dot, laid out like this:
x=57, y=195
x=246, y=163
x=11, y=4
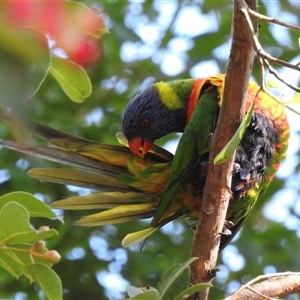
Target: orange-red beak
x=139, y=146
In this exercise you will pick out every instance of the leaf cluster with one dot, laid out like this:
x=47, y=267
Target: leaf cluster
x=22, y=249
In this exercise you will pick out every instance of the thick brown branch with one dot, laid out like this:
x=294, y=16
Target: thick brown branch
x=269, y=286
x=217, y=190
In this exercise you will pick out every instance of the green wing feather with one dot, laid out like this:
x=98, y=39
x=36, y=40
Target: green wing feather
x=129, y=185
x=193, y=143
x=120, y=214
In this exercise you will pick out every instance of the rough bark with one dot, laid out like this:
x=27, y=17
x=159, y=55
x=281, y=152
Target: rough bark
x=270, y=286
x=217, y=189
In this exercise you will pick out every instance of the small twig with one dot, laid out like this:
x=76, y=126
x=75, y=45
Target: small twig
x=262, y=53
x=266, y=58
x=262, y=72
x=275, y=73
x=272, y=20
x=259, y=49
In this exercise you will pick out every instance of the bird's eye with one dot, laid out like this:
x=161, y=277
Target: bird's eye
x=145, y=123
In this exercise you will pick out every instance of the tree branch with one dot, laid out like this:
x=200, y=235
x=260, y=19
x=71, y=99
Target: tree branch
x=217, y=189
x=272, y=20
x=269, y=286
x=263, y=56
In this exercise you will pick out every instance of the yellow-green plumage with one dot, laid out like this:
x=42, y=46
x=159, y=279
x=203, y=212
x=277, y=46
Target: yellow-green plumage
x=129, y=186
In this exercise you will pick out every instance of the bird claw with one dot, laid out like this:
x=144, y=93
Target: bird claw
x=235, y=167
x=210, y=138
x=204, y=164
x=212, y=272
x=226, y=226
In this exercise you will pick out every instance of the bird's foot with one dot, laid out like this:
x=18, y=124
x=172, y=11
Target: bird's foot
x=226, y=226
x=212, y=272
x=203, y=167
x=235, y=167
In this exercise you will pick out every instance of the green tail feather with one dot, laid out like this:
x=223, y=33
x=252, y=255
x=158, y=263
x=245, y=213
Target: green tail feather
x=80, y=178
x=104, y=200
x=119, y=214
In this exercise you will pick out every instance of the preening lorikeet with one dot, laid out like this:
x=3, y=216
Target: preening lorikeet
x=153, y=182
x=176, y=107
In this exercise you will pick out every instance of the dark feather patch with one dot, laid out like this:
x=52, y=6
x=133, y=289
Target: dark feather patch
x=161, y=121
x=254, y=154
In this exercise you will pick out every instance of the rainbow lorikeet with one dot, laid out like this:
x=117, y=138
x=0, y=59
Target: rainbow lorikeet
x=176, y=107
x=145, y=180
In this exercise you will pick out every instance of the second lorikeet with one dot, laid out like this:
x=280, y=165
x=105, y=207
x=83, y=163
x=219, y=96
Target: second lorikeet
x=147, y=180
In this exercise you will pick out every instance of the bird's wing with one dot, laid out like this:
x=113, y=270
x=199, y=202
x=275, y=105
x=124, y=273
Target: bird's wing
x=193, y=143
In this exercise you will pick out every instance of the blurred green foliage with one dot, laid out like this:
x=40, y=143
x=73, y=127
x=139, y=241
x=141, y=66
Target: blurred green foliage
x=143, y=37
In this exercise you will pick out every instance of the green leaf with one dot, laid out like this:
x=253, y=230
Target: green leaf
x=142, y=294
x=8, y=262
x=227, y=152
x=72, y=78
x=19, y=230
x=35, y=207
x=273, y=83
x=171, y=275
x=296, y=98
x=24, y=63
x=16, y=259
x=192, y=290
x=47, y=279
x=133, y=291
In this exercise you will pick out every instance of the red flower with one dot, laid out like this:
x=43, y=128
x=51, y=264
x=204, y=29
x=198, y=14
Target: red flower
x=72, y=26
